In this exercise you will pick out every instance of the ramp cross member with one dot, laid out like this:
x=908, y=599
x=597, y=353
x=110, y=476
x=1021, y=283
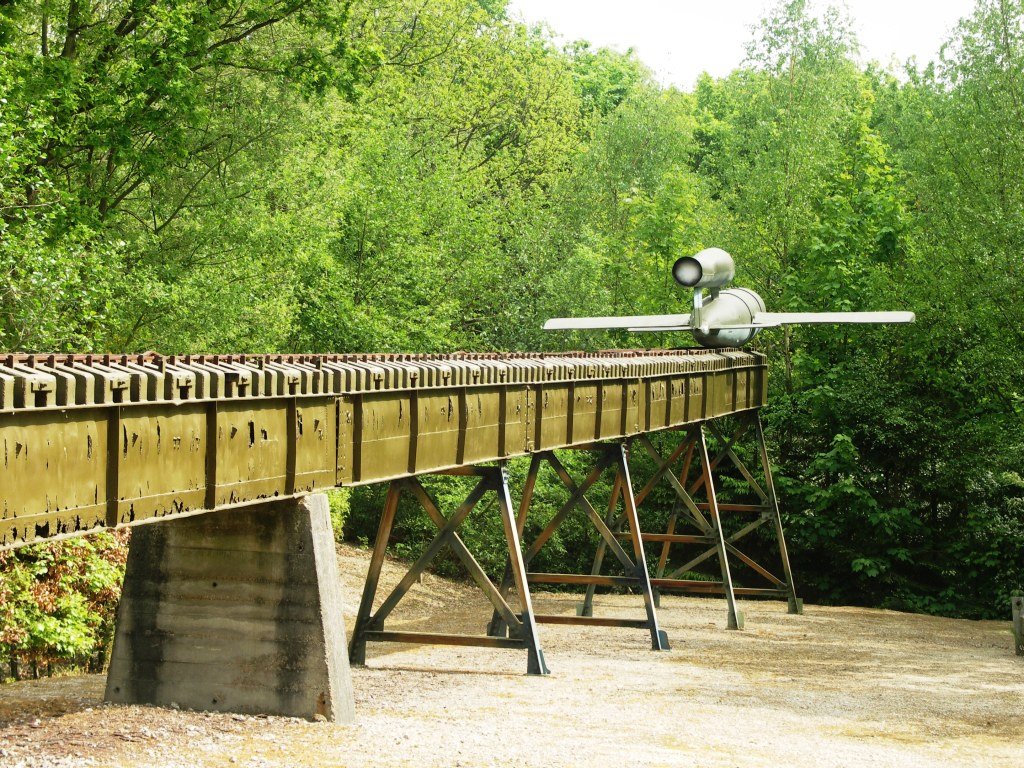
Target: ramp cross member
x=608, y=456
x=369, y=625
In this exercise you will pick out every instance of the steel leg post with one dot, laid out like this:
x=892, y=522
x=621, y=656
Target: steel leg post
x=796, y=605
x=659, y=639
x=734, y=616
x=498, y=627
x=535, y=656
x=357, y=648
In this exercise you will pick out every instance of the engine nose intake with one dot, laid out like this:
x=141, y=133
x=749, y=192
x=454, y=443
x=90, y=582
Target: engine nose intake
x=711, y=268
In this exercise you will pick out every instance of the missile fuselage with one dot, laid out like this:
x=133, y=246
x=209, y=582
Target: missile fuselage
x=712, y=269
x=733, y=306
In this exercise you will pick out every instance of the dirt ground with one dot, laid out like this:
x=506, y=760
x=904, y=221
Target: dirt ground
x=834, y=687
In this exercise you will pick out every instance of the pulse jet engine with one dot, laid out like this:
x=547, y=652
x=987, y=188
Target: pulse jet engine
x=726, y=317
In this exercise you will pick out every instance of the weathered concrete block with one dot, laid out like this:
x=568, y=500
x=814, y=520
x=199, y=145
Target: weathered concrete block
x=235, y=611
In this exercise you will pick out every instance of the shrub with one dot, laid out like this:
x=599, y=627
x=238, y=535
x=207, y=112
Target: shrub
x=58, y=601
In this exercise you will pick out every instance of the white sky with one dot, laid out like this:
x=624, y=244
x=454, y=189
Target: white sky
x=681, y=39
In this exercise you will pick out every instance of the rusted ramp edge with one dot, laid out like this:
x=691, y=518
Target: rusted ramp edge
x=87, y=444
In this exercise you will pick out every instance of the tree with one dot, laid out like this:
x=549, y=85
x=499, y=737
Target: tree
x=126, y=119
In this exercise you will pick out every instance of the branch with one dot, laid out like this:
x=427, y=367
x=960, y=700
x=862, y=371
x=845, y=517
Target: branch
x=74, y=27
x=237, y=38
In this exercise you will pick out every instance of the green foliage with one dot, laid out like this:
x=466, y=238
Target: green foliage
x=605, y=78
x=55, y=600
x=339, y=500
x=134, y=135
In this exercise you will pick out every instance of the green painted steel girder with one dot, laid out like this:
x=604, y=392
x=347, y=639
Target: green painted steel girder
x=91, y=442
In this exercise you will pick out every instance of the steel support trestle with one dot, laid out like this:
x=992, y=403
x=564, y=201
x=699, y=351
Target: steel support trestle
x=706, y=517
x=369, y=625
x=608, y=456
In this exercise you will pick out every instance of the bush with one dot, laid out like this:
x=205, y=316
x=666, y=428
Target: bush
x=338, y=498
x=58, y=601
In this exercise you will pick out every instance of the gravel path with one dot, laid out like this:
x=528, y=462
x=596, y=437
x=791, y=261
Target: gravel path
x=834, y=687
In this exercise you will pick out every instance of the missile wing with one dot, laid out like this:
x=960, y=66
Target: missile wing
x=639, y=322
x=776, y=319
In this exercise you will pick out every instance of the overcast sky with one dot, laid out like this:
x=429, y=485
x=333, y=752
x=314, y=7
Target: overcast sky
x=681, y=39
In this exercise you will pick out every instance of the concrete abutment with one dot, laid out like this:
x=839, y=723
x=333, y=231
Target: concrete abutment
x=235, y=611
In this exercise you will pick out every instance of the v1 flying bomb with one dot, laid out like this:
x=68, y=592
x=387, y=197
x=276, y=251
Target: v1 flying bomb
x=729, y=317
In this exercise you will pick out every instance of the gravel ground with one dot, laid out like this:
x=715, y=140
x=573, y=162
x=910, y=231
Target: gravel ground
x=834, y=687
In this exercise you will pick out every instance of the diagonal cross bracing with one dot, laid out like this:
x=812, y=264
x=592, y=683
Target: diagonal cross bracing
x=767, y=511
x=370, y=624
x=636, y=576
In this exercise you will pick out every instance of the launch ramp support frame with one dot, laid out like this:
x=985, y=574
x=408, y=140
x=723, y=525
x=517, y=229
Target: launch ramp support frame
x=608, y=456
x=694, y=450
x=369, y=625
